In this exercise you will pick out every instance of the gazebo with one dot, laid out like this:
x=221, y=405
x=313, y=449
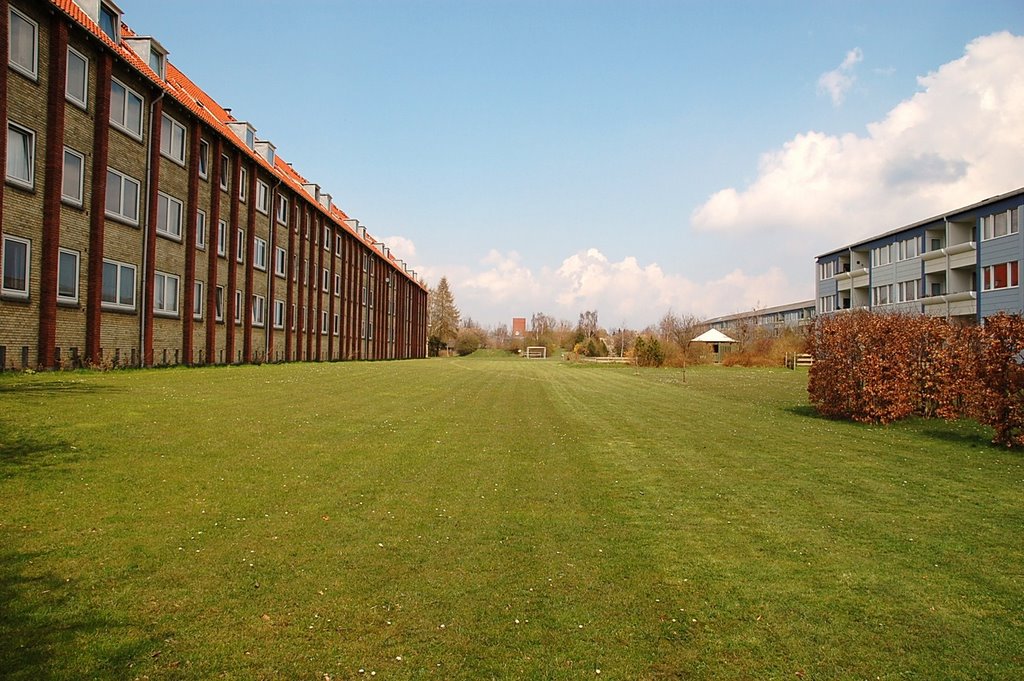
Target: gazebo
x=716, y=339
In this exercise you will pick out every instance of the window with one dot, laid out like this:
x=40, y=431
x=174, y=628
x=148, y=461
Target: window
x=76, y=87
x=126, y=109
x=165, y=294
x=324, y=320
x=240, y=248
x=259, y=254
x=197, y=300
x=278, y=313
x=908, y=248
x=1000, y=224
x=293, y=316
x=295, y=268
x=337, y=244
x=110, y=23
x=1003, y=275
x=201, y=230
x=204, y=159
x=908, y=291
x=826, y=270
x=337, y=284
x=122, y=197
x=881, y=256
x=280, y=261
x=219, y=302
x=326, y=281
x=118, y=290
x=337, y=325
x=282, y=210
x=881, y=295
x=238, y=306
x=302, y=318
x=67, y=276
x=225, y=170
x=242, y=174
x=262, y=197
x=72, y=177
x=23, y=34
x=16, y=262
x=156, y=61
x=21, y=155
x=259, y=310
x=172, y=139
x=327, y=239
x=168, y=216
x=222, y=238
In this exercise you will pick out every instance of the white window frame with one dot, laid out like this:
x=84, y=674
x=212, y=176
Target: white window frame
x=172, y=146
x=325, y=281
x=337, y=244
x=197, y=299
x=165, y=225
x=204, y=159
x=324, y=323
x=327, y=239
x=881, y=295
x=82, y=103
x=21, y=294
x=28, y=182
x=238, y=306
x=259, y=310
x=243, y=180
x=908, y=291
x=121, y=180
x=282, y=210
x=115, y=21
x=218, y=301
x=280, y=262
x=337, y=285
x=222, y=238
x=1012, y=224
x=200, y=229
x=240, y=246
x=158, y=62
x=118, y=293
x=262, y=197
x=278, y=313
x=988, y=276
x=161, y=285
x=74, y=200
x=225, y=167
x=73, y=297
x=294, y=316
x=30, y=70
x=259, y=254
x=881, y=256
x=337, y=324
x=119, y=119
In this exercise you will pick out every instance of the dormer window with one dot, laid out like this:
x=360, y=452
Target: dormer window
x=244, y=132
x=110, y=22
x=157, y=60
x=250, y=138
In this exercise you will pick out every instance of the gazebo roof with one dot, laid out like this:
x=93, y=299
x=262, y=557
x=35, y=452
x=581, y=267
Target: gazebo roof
x=713, y=336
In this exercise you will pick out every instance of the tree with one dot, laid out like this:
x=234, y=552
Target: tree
x=444, y=316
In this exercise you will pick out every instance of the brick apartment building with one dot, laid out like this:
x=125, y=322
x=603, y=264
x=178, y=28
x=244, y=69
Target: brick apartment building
x=143, y=224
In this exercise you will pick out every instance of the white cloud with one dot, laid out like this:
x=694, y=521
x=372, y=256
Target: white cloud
x=838, y=81
x=623, y=292
x=401, y=247
x=954, y=142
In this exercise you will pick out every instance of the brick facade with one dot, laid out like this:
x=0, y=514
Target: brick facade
x=125, y=269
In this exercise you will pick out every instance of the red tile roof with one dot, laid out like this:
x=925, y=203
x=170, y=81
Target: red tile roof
x=185, y=92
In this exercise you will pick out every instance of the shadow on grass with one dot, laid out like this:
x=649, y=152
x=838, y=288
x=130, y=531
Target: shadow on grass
x=45, y=635
x=15, y=388
x=21, y=451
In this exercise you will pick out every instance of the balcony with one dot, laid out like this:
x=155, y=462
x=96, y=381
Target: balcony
x=951, y=304
x=952, y=257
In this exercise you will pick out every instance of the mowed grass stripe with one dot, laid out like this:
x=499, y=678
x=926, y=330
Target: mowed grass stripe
x=296, y=521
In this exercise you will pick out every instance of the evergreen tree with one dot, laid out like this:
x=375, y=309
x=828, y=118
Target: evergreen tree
x=444, y=316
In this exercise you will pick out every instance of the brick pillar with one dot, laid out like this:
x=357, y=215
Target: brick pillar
x=229, y=294
x=150, y=241
x=97, y=207
x=320, y=289
x=53, y=176
x=5, y=14
x=290, y=275
x=213, y=243
x=310, y=321
x=250, y=270
x=331, y=307
x=192, y=205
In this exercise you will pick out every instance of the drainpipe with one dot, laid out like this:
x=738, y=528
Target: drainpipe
x=145, y=231
x=268, y=326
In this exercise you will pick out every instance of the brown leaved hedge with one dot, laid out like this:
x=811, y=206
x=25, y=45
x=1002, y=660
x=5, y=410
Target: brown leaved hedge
x=878, y=368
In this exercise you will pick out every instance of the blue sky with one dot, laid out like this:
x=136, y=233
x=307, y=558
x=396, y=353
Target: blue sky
x=629, y=157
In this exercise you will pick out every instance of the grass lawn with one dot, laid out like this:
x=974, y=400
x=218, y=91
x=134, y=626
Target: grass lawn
x=493, y=517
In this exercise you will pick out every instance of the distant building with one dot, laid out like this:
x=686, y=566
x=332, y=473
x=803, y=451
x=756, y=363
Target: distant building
x=518, y=327
x=963, y=264
x=776, y=319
